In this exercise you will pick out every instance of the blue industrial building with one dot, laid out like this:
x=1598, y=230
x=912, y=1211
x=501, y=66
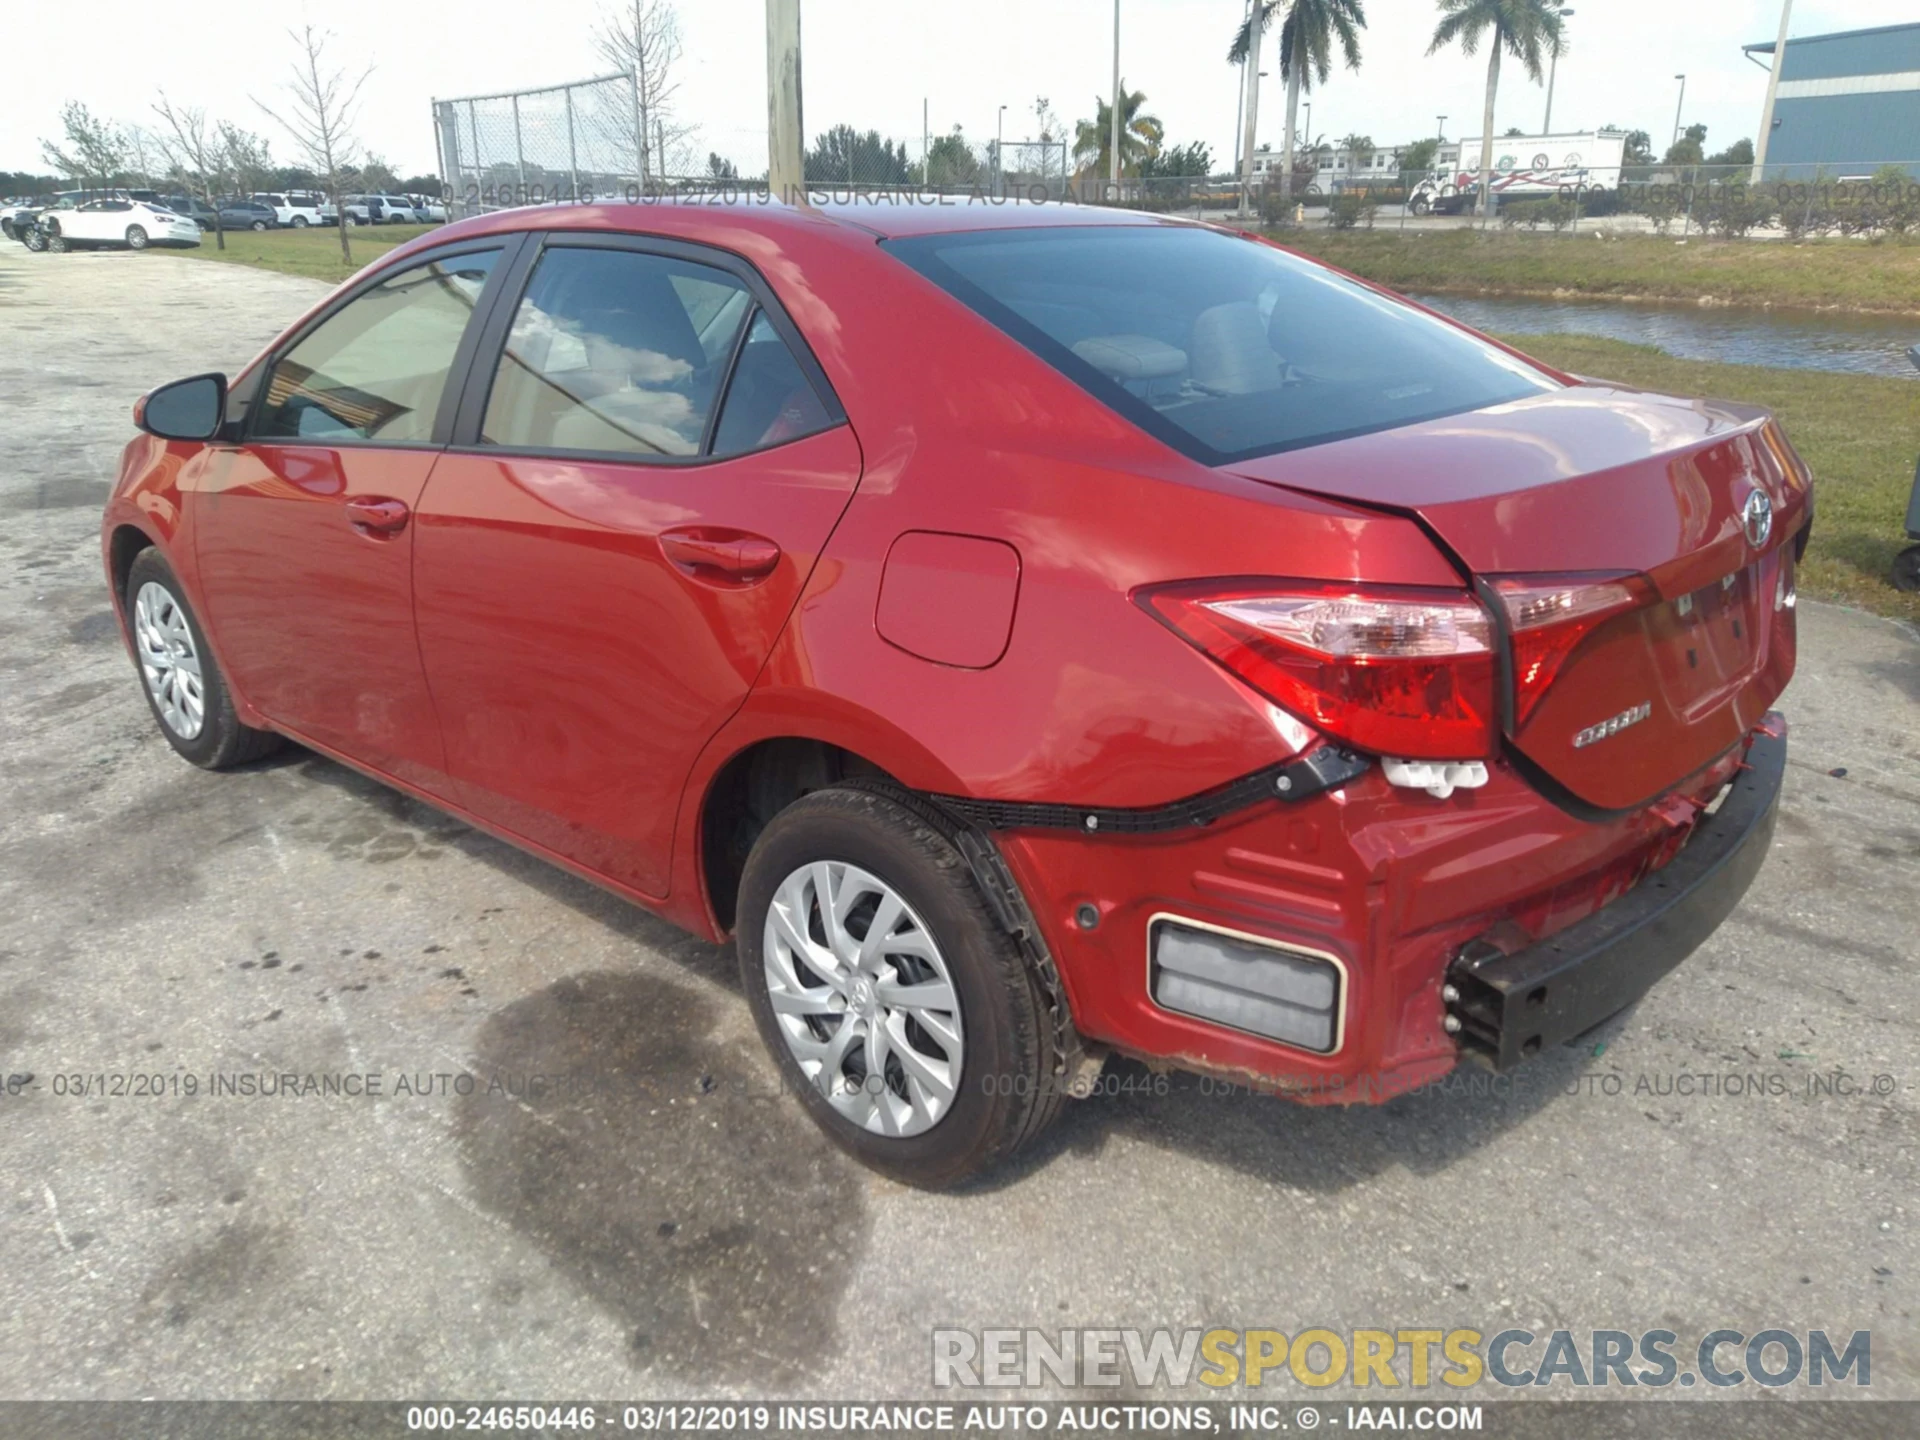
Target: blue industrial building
x=1848, y=104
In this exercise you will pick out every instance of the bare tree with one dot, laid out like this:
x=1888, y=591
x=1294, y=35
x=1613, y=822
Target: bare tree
x=642, y=37
x=322, y=105
x=194, y=149
x=95, y=152
x=245, y=158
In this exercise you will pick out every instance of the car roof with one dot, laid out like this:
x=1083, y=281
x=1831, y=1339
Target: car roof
x=887, y=217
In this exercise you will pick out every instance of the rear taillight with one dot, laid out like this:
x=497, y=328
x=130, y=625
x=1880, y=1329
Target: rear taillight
x=1548, y=616
x=1401, y=672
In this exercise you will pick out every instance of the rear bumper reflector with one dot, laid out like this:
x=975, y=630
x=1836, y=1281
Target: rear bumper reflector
x=1246, y=983
x=1510, y=1007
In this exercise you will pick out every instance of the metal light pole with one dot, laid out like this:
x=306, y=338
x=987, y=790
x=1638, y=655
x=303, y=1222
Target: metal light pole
x=1113, y=138
x=1553, y=71
x=1680, y=108
x=1773, y=94
x=1000, y=154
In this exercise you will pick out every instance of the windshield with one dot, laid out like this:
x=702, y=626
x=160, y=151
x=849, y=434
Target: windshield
x=1223, y=347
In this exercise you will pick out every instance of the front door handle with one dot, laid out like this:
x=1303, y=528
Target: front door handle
x=373, y=515
x=719, y=555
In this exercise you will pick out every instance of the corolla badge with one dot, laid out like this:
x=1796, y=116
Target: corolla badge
x=1596, y=733
x=1757, y=518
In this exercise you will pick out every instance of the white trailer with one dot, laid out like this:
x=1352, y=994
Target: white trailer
x=1527, y=167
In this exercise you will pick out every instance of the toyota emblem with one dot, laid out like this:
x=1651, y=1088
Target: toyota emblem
x=1757, y=516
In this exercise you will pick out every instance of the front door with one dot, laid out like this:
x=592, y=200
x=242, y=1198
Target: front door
x=600, y=574
x=304, y=532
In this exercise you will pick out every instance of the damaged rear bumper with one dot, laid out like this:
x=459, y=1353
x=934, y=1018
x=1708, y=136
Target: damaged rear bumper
x=1510, y=1007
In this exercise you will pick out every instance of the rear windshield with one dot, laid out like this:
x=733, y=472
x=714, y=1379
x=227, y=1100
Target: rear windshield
x=1222, y=347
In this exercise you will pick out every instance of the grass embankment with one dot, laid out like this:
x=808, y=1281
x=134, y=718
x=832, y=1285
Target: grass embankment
x=311, y=251
x=1820, y=274
x=1858, y=433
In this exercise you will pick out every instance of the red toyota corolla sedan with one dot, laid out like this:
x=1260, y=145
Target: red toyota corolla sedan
x=1031, y=633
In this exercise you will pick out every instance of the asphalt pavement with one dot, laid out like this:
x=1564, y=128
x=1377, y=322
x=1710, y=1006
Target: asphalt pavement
x=574, y=1181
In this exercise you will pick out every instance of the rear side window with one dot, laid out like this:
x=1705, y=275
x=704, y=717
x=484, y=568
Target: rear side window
x=375, y=369
x=1222, y=347
x=769, y=401
x=616, y=352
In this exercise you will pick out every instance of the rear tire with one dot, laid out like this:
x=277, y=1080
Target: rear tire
x=955, y=1003
x=259, y=225
x=34, y=240
x=1906, y=569
x=299, y=222
x=136, y=238
x=179, y=676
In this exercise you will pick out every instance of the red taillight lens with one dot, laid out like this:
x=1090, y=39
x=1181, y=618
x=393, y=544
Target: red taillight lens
x=1548, y=616
x=1405, y=673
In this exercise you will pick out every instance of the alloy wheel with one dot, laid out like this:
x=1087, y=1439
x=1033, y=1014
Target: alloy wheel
x=169, y=660
x=863, y=998
x=136, y=238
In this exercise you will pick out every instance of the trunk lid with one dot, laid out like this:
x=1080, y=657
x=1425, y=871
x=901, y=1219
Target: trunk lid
x=1600, y=482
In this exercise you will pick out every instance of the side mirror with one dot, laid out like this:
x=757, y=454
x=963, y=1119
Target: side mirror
x=192, y=409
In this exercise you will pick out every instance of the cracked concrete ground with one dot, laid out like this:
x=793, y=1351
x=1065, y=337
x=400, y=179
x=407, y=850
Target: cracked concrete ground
x=645, y=1222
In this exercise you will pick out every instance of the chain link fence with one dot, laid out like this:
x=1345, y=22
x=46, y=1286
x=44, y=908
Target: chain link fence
x=592, y=139
x=559, y=143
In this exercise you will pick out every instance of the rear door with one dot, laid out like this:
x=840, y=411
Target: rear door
x=642, y=480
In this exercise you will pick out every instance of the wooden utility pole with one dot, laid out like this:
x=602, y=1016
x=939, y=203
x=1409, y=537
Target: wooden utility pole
x=786, y=139
x=1773, y=94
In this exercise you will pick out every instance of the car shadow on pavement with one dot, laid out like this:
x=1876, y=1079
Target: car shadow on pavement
x=631, y=1126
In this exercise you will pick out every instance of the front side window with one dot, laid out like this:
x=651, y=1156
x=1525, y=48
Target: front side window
x=375, y=369
x=617, y=352
x=1221, y=346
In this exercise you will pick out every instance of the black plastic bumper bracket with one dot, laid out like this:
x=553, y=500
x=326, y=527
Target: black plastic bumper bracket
x=1509, y=1007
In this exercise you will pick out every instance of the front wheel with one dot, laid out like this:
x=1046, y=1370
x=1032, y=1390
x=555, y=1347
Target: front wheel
x=909, y=1024
x=136, y=238
x=183, y=684
x=1906, y=569
x=58, y=243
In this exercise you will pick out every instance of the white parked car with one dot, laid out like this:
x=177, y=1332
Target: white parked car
x=380, y=210
x=427, y=209
x=297, y=209
x=134, y=224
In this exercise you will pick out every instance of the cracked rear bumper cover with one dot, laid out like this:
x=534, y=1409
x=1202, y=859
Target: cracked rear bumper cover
x=1510, y=1007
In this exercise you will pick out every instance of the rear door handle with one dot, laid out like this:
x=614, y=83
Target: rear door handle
x=373, y=515
x=719, y=555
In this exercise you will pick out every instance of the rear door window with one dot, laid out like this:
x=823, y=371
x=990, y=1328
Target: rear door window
x=1223, y=347
x=616, y=352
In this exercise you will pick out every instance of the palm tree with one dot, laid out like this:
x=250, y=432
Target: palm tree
x=1528, y=30
x=1307, y=37
x=1140, y=135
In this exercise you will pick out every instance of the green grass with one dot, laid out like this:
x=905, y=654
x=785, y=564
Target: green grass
x=1858, y=433
x=312, y=252
x=1836, y=274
